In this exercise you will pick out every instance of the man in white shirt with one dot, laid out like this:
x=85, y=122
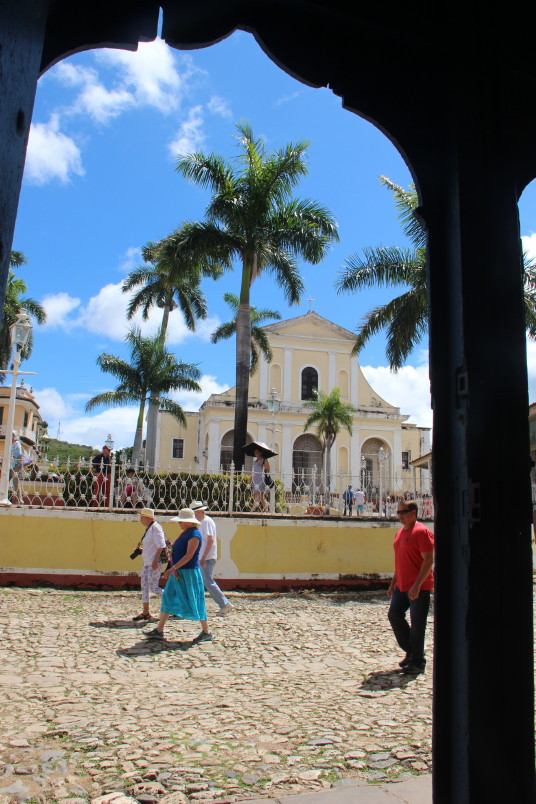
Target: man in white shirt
x=359, y=502
x=151, y=546
x=208, y=555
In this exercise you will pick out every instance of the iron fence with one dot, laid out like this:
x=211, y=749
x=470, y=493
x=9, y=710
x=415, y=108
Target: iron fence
x=117, y=487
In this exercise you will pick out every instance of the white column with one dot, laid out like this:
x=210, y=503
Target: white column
x=396, y=462
x=332, y=366
x=354, y=382
x=287, y=376
x=285, y=460
x=213, y=463
x=157, y=450
x=355, y=459
x=264, y=390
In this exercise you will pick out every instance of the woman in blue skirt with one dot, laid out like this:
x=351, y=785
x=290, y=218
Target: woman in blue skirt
x=184, y=594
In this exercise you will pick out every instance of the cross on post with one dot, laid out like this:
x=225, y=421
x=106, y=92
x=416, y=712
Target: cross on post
x=311, y=304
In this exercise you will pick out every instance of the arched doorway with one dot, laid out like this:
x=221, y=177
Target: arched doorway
x=226, y=453
x=375, y=470
x=306, y=462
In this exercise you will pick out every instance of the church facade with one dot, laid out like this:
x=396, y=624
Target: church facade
x=309, y=353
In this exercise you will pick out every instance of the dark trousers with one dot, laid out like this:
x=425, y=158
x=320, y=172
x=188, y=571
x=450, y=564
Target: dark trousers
x=410, y=638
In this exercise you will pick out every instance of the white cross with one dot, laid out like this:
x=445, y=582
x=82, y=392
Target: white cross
x=311, y=304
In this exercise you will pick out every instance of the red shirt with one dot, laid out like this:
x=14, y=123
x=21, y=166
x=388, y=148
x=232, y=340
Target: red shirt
x=409, y=545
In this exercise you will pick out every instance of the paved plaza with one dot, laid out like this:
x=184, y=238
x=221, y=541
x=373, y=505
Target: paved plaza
x=299, y=693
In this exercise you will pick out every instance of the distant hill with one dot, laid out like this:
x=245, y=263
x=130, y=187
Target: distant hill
x=63, y=450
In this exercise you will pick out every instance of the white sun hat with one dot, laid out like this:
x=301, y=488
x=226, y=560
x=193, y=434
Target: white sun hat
x=198, y=505
x=185, y=515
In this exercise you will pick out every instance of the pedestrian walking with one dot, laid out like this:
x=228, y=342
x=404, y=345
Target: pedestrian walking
x=208, y=556
x=184, y=594
x=16, y=468
x=151, y=545
x=411, y=586
x=348, y=499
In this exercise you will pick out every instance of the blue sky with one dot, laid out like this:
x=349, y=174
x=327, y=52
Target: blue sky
x=100, y=182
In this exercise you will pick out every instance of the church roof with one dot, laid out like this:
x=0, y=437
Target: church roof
x=310, y=317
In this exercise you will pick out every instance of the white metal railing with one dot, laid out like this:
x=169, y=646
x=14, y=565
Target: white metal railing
x=300, y=492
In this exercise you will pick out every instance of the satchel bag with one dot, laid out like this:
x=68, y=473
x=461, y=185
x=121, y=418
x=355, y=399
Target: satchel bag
x=269, y=481
x=165, y=554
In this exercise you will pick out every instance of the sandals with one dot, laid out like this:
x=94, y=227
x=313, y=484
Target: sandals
x=139, y=617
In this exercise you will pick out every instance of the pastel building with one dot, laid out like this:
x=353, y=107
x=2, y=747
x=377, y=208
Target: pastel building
x=309, y=353
x=27, y=421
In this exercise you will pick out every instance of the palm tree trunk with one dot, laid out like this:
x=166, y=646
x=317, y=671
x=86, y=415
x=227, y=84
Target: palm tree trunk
x=136, y=449
x=152, y=413
x=243, y=358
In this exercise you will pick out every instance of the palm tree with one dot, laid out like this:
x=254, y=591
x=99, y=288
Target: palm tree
x=259, y=338
x=329, y=413
x=253, y=219
x=406, y=316
x=170, y=279
x=151, y=372
x=15, y=300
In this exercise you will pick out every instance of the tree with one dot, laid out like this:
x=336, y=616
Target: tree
x=406, y=316
x=329, y=413
x=253, y=219
x=259, y=339
x=170, y=279
x=151, y=373
x=15, y=300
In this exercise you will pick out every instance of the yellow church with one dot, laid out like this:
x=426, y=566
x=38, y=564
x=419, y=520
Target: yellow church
x=309, y=353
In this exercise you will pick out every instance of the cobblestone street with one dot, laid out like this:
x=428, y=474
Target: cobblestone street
x=297, y=692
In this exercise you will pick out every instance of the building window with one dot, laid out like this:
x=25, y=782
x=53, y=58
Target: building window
x=25, y=422
x=309, y=382
x=406, y=458
x=1, y=415
x=178, y=448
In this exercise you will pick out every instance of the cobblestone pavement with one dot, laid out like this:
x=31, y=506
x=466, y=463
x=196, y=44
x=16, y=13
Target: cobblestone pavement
x=297, y=693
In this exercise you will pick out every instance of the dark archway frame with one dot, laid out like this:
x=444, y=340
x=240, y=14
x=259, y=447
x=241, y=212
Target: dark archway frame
x=452, y=91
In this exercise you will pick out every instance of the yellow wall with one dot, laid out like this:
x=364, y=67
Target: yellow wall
x=94, y=543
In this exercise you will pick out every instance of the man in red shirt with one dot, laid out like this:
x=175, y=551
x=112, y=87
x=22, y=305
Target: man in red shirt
x=411, y=586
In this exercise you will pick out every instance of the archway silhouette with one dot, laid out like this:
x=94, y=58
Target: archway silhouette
x=468, y=136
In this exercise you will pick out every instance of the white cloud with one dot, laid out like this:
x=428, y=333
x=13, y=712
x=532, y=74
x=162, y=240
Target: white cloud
x=288, y=98
x=51, y=154
x=529, y=245
x=57, y=307
x=190, y=136
x=105, y=314
x=408, y=389
x=131, y=259
x=150, y=73
x=220, y=106
x=190, y=400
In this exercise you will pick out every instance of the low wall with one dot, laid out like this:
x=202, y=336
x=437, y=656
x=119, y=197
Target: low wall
x=91, y=549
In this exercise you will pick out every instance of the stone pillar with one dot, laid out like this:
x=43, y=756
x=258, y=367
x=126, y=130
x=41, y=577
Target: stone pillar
x=287, y=376
x=213, y=463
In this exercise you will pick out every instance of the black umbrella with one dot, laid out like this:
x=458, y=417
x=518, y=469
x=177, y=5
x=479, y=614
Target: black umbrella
x=266, y=452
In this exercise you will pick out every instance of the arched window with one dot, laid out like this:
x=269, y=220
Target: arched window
x=309, y=382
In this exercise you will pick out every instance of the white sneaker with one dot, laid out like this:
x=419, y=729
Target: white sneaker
x=224, y=610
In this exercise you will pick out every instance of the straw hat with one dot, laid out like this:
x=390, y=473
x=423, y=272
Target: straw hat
x=148, y=512
x=185, y=515
x=198, y=505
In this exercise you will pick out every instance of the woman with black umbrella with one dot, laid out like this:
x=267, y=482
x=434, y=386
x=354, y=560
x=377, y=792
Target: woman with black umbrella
x=261, y=466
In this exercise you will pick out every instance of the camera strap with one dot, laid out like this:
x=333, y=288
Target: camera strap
x=145, y=534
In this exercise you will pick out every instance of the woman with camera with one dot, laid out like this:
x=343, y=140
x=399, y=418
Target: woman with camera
x=184, y=595
x=151, y=545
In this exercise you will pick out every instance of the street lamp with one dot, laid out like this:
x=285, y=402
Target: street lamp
x=109, y=442
x=274, y=405
x=19, y=332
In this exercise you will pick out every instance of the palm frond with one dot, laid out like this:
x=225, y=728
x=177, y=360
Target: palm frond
x=406, y=202
x=383, y=267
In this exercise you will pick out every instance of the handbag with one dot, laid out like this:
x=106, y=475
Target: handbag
x=269, y=481
x=165, y=553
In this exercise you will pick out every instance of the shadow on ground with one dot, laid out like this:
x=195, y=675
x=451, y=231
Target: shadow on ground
x=150, y=647
x=125, y=624
x=386, y=680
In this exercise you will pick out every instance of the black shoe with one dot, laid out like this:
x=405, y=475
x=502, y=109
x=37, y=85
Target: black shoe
x=154, y=634
x=411, y=669
x=405, y=661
